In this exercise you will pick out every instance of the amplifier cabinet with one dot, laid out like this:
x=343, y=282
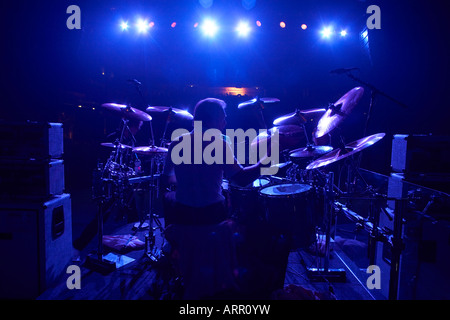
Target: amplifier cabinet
x=33, y=180
x=31, y=140
x=424, y=261
x=36, y=246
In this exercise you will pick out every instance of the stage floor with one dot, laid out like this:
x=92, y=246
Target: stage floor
x=143, y=279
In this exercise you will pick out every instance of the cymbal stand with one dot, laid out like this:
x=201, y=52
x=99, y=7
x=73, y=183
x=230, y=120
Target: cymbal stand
x=150, y=239
x=326, y=273
x=260, y=107
x=168, y=120
x=97, y=262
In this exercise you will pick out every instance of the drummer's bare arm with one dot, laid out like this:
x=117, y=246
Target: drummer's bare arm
x=247, y=175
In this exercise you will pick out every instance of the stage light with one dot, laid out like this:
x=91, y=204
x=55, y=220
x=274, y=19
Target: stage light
x=258, y=23
x=343, y=33
x=209, y=28
x=282, y=24
x=173, y=24
x=124, y=25
x=327, y=32
x=142, y=26
x=304, y=26
x=243, y=29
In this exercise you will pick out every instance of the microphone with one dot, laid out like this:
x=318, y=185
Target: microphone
x=343, y=70
x=134, y=81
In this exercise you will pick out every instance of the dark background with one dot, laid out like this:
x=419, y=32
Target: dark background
x=48, y=70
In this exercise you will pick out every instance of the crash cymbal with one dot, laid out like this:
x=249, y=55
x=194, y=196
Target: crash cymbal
x=178, y=113
x=310, y=152
x=338, y=111
x=127, y=112
x=299, y=117
x=348, y=150
x=255, y=100
x=150, y=150
x=115, y=145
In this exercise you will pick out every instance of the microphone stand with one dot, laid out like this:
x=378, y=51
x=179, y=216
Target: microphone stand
x=138, y=88
x=374, y=92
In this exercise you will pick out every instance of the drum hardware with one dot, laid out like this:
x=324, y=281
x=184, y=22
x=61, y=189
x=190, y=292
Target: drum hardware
x=325, y=273
x=391, y=237
x=150, y=239
x=172, y=115
x=97, y=262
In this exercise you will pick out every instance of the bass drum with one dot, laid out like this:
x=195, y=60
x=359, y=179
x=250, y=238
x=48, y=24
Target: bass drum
x=244, y=201
x=288, y=212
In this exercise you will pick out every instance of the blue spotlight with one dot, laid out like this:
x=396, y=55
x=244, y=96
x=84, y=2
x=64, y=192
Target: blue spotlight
x=124, y=25
x=327, y=32
x=243, y=29
x=343, y=33
x=209, y=28
x=142, y=26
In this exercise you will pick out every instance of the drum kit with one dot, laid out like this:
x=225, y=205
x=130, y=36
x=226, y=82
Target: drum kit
x=301, y=201
x=297, y=204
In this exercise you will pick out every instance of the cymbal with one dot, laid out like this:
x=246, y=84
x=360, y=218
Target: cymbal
x=115, y=145
x=150, y=150
x=338, y=111
x=290, y=136
x=179, y=114
x=127, y=112
x=310, y=152
x=255, y=100
x=299, y=117
x=348, y=150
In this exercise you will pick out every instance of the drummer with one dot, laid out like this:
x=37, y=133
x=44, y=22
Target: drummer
x=198, y=199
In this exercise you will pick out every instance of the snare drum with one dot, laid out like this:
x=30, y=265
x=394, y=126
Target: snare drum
x=287, y=210
x=244, y=201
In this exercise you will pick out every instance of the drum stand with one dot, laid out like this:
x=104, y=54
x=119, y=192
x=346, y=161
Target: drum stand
x=97, y=262
x=325, y=273
x=150, y=240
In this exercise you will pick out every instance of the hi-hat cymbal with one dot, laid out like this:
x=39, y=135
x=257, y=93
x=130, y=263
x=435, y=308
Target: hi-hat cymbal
x=338, y=111
x=178, y=113
x=150, y=150
x=348, y=150
x=115, y=145
x=127, y=112
x=255, y=100
x=310, y=152
x=299, y=117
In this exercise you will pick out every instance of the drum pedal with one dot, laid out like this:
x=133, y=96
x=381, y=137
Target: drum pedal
x=331, y=275
x=101, y=265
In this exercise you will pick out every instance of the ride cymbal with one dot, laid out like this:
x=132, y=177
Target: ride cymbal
x=299, y=117
x=256, y=100
x=178, y=113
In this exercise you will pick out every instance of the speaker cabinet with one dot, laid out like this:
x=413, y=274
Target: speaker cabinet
x=31, y=140
x=31, y=180
x=36, y=246
x=422, y=159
